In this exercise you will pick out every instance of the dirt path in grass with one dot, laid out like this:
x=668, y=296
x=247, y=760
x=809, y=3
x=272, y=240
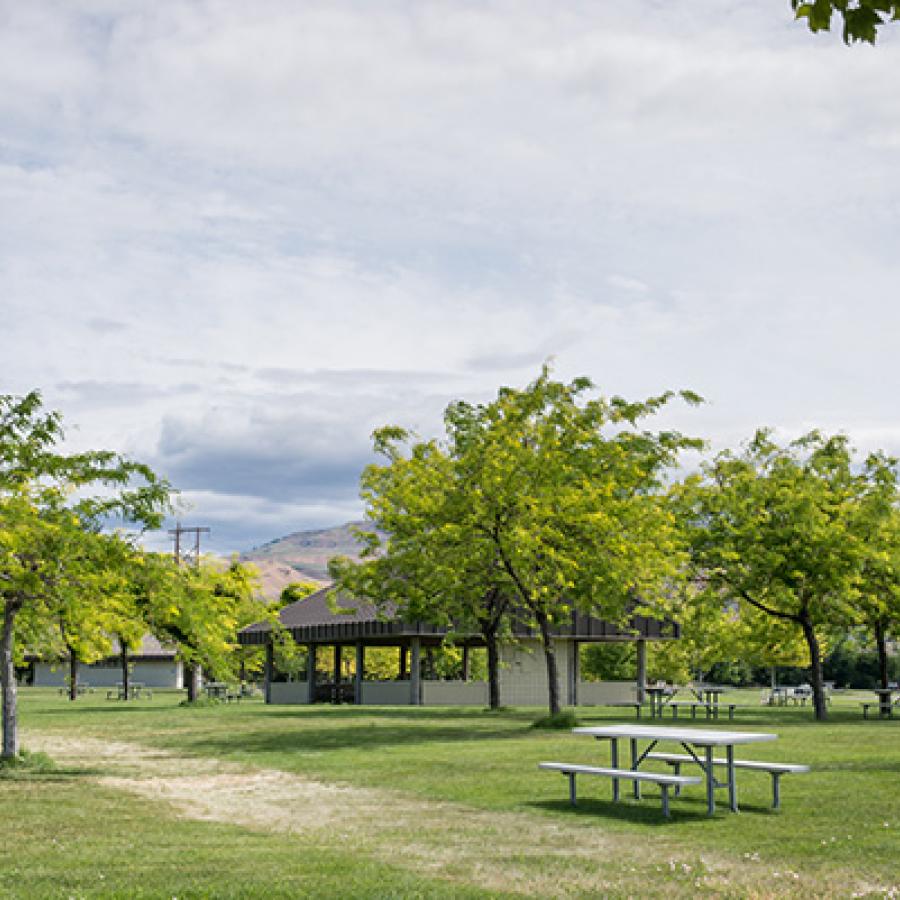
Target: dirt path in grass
x=502, y=851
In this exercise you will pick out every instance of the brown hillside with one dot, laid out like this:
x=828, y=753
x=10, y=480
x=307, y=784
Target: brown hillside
x=302, y=556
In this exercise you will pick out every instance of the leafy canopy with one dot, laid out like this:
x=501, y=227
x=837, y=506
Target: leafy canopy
x=861, y=19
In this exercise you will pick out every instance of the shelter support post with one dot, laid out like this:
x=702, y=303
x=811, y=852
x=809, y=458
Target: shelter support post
x=311, y=672
x=415, y=672
x=269, y=671
x=641, y=671
x=465, y=662
x=574, y=671
x=336, y=698
x=402, y=672
x=359, y=672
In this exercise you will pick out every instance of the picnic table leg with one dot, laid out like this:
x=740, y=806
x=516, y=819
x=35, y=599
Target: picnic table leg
x=634, y=765
x=614, y=759
x=571, y=787
x=732, y=785
x=665, y=799
x=710, y=783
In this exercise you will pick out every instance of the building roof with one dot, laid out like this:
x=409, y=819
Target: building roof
x=150, y=648
x=323, y=618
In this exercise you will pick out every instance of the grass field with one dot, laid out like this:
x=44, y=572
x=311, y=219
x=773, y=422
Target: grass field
x=154, y=799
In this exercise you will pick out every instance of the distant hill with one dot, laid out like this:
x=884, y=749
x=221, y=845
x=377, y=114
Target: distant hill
x=302, y=555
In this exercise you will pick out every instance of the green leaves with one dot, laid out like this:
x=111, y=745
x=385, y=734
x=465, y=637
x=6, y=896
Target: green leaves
x=861, y=19
x=61, y=572
x=799, y=534
x=547, y=499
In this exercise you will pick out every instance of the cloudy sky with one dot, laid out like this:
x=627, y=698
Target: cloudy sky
x=236, y=237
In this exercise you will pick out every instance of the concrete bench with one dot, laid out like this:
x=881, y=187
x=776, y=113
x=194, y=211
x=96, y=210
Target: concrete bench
x=776, y=770
x=664, y=781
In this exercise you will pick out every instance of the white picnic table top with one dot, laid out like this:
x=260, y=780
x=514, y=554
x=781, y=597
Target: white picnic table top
x=697, y=736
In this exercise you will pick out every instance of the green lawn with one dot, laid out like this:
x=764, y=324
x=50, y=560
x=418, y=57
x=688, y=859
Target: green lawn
x=839, y=827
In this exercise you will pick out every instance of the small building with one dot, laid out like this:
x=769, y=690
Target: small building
x=151, y=664
x=347, y=626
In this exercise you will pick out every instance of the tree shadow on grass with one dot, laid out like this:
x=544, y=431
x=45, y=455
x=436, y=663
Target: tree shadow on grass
x=56, y=774
x=649, y=812
x=370, y=736
x=418, y=713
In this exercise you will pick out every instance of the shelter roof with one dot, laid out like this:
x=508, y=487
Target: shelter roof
x=328, y=616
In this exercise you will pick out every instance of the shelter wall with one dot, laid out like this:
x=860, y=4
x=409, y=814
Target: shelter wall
x=163, y=673
x=385, y=693
x=596, y=693
x=523, y=673
x=287, y=692
x=454, y=693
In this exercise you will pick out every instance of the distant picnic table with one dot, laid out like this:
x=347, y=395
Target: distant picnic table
x=220, y=690
x=136, y=691
x=886, y=703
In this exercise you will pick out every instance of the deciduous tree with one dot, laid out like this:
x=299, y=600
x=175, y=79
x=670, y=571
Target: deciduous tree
x=53, y=508
x=547, y=499
x=774, y=529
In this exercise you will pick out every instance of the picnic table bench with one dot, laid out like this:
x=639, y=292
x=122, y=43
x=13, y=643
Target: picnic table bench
x=664, y=781
x=711, y=709
x=219, y=690
x=79, y=689
x=776, y=770
x=698, y=744
x=884, y=703
x=626, y=704
x=136, y=691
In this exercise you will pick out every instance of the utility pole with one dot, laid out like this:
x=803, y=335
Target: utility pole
x=183, y=554
x=189, y=556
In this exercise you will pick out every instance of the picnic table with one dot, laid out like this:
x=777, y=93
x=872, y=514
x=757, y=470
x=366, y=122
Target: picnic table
x=81, y=688
x=885, y=704
x=779, y=696
x=708, y=693
x=220, y=690
x=659, y=695
x=698, y=745
x=136, y=690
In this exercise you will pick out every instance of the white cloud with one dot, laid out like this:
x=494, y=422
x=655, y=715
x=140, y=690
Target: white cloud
x=287, y=222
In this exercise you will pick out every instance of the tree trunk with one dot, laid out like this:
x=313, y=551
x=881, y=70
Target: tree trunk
x=881, y=644
x=194, y=682
x=883, y=678
x=73, y=674
x=550, y=658
x=123, y=655
x=493, y=666
x=10, y=697
x=815, y=669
